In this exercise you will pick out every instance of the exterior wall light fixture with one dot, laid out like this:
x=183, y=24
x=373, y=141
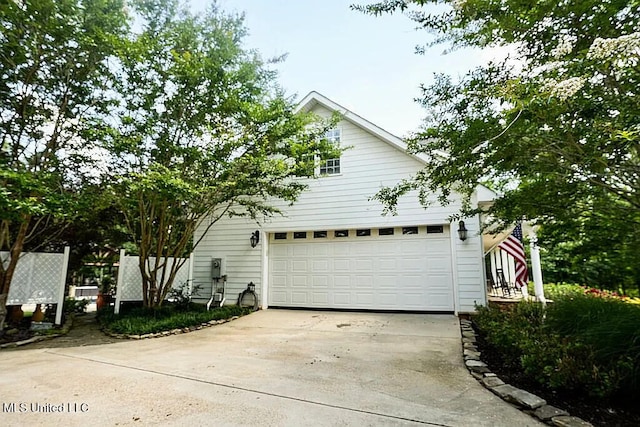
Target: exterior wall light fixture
x=255, y=238
x=462, y=231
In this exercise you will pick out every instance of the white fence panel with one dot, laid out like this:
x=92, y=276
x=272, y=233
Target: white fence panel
x=129, y=284
x=39, y=278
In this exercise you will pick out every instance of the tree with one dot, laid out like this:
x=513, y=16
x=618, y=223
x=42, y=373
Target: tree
x=54, y=91
x=554, y=128
x=202, y=131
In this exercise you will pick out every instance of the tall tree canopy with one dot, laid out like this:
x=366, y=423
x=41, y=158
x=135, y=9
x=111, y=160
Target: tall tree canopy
x=202, y=131
x=554, y=128
x=54, y=91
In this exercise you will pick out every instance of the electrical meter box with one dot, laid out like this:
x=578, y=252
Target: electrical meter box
x=216, y=268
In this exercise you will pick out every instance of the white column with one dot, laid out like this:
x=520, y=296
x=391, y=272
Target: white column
x=190, y=278
x=63, y=279
x=536, y=268
x=119, y=281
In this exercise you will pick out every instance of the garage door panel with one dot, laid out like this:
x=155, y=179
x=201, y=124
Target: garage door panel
x=413, y=246
x=299, y=265
x=300, y=250
x=363, y=281
x=342, y=298
x=413, y=300
x=341, y=249
x=320, y=282
x=437, y=247
x=320, y=266
x=385, y=282
x=363, y=265
x=299, y=281
x=341, y=282
x=396, y=272
x=439, y=301
x=439, y=263
x=299, y=298
x=278, y=281
x=321, y=249
x=341, y=264
x=387, y=264
x=412, y=264
x=364, y=299
x=320, y=298
x=383, y=248
x=413, y=281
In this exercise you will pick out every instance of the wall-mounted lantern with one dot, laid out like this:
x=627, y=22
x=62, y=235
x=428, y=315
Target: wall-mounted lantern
x=462, y=231
x=255, y=238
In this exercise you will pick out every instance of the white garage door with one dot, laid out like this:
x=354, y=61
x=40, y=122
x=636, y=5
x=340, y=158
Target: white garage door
x=362, y=269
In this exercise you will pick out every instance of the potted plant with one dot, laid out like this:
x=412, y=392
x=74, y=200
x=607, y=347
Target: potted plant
x=105, y=292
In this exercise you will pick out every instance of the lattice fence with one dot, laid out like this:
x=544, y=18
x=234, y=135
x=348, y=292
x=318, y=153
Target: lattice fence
x=39, y=278
x=129, y=285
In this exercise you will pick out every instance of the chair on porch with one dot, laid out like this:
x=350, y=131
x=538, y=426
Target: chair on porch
x=502, y=284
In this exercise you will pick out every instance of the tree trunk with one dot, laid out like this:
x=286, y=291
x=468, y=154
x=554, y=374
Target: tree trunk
x=6, y=274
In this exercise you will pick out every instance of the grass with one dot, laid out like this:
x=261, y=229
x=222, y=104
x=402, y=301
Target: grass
x=140, y=321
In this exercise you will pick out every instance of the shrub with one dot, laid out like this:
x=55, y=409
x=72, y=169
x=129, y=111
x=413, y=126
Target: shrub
x=140, y=320
x=581, y=342
x=74, y=306
x=610, y=327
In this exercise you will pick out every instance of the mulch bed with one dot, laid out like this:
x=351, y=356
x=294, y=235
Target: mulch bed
x=598, y=412
x=19, y=331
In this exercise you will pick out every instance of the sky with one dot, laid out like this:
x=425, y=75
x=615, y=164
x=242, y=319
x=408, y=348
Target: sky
x=366, y=64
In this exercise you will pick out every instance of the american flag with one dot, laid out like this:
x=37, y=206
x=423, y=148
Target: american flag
x=513, y=246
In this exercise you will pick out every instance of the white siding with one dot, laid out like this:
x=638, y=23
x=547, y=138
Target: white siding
x=342, y=201
x=469, y=268
x=228, y=239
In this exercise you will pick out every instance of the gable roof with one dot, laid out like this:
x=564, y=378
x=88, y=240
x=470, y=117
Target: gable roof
x=314, y=98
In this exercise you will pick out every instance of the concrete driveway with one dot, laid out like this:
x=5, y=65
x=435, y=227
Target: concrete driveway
x=272, y=368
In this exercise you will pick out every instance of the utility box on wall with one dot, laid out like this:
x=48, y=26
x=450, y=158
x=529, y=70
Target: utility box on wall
x=216, y=268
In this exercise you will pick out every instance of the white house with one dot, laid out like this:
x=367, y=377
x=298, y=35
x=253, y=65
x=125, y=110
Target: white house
x=334, y=248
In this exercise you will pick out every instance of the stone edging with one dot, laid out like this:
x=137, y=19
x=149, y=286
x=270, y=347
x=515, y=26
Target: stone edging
x=525, y=401
x=37, y=338
x=172, y=331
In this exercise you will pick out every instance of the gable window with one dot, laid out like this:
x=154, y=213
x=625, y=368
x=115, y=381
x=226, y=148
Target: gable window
x=331, y=166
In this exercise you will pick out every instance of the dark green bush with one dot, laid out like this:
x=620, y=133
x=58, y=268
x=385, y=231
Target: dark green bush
x=74, y=306
x=139, y=320
x=608, y=326
x=581, y=342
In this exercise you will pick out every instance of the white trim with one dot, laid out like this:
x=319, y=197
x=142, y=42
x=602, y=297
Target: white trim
x=190, y=274
x=119, y=281
x=264, y=271
x=454, y=268
x=63, y=280
x=484, y=265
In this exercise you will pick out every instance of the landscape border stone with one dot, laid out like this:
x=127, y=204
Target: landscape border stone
x=522, y=399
